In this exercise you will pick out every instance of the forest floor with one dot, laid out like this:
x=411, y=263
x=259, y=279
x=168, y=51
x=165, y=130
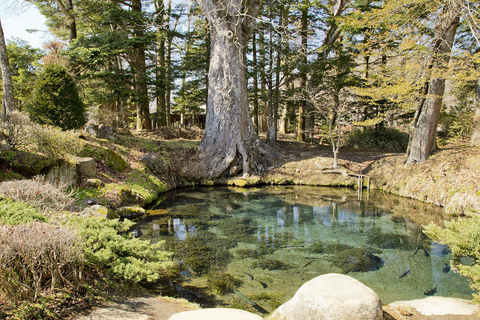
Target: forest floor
x=449, y=178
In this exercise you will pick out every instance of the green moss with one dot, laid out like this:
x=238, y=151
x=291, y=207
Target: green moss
x=106, y=156
x=146, y=185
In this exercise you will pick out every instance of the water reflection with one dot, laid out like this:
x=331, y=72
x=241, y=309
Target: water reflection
x=283, y=236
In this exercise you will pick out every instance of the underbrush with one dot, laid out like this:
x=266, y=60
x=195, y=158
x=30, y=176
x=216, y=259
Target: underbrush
x=387, y=139
x=50, y=262
x=38, y=192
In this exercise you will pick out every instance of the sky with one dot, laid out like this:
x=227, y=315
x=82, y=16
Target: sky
x=17, y=17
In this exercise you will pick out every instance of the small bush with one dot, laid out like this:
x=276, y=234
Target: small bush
x=12, y=213
x=14, y=131
x=455, y=126
x=112, y=250
x=38, y=192
x=462, y=236
x=55, y=143
x=56, y=100
x=387, y=139
x=36, y=259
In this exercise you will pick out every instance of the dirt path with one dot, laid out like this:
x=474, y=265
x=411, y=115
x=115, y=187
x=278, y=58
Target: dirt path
x=142, y=308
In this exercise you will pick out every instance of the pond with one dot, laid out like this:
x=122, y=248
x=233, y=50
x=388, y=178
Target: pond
x=253, y=248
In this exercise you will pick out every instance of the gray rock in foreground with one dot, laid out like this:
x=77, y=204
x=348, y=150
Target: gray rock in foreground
x=215, y=314
x=331, y=297
x=441, y=306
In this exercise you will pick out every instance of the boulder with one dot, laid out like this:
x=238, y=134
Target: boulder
x=91, y=129
x=98, y=211
x=128, y=197
x=215, y=314
x=105, y=132
x=94, y=183
x=85, y=166
x=65, y=174
x=131, y=212
x=440, y=306
x=102, y=131
x=155, y=164
x=331, y=297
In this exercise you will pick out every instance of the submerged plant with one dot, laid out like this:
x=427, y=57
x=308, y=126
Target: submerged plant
x=271, y=264
x=222, y=282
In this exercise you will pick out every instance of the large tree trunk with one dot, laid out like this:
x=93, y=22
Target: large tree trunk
x=229, y=144
x=423, y=141
x=141, y=91
x=8, y=103
x=476, y=120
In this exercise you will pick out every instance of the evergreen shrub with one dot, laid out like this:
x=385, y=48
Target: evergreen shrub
x=56, y=100
x=113, y=251
x=463, y=238
x=13, y=213
x=386, y=139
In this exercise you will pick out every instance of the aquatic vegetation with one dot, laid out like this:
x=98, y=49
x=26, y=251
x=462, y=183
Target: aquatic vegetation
x=389, y=241
x=319, y=247
x=271, y=264
x=204, y=251
x=356, y=260
x=222, y=282
x=238, y=228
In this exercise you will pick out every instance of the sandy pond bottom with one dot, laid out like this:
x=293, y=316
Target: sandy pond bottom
x=238, y=247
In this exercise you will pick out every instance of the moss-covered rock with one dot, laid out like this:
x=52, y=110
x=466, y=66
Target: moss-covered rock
x=25, y=163
x=99, y=211
x=131, y=212
x=106, y=156
x=94, y=183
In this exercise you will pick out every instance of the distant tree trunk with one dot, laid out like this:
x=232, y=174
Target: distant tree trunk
x=229, y=144
x=255, y=82
x=423, y=141
x=141, y=91
x=272, y=108
x=8, y=103
x=168, y=66
x=303, y=71
x=161, y=68
x=476, y=120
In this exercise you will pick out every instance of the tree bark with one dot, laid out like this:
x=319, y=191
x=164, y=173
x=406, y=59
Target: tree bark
x=141, y=91
x=229, y=144
x=8, y=103
x=161, y=67
x=303, y=70
x=476, y=120
x=255, y=83
x=423, y=141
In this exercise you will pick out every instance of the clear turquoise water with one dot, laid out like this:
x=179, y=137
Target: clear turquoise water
x=266, y=242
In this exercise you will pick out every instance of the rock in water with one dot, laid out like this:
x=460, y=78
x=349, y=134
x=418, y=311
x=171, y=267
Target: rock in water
x=331, y=297
x=215, y=314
